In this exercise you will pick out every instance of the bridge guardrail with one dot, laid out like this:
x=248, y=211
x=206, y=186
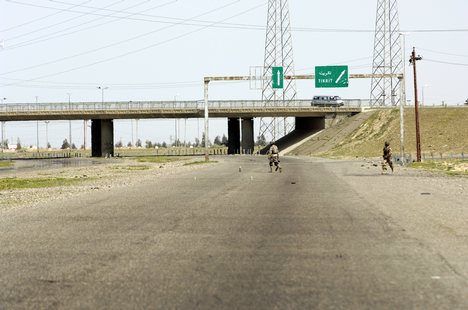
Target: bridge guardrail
x=99, y=106
x=159, y=105
x=177, y=105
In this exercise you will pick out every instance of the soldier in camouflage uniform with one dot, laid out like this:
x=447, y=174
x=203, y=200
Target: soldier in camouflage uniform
x=273, y=156
x=387, y=157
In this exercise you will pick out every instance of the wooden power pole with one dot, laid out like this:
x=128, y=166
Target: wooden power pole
x=413, y=60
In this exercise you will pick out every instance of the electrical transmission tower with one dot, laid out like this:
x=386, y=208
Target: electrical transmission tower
x=278, y=53
x=388, y=58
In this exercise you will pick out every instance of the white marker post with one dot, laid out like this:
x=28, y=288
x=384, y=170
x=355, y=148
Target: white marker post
x=206, y=120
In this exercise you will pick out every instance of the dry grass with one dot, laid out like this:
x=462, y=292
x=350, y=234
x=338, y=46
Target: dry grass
x=443, y=130
x=450, y=167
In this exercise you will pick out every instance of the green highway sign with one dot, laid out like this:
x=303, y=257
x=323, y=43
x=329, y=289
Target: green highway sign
x=331, y=76
x=277, y=77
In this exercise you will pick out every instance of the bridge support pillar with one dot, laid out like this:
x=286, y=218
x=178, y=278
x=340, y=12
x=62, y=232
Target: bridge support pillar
x=102, y=138
x=233, y=136
x=248, y=141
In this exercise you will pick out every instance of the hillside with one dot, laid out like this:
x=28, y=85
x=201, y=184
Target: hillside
x=443, y=130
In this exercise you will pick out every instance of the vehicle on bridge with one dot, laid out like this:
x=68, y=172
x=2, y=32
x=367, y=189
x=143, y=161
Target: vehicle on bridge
x=327, y=101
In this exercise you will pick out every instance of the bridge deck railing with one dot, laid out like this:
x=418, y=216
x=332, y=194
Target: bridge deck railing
x=161, y=105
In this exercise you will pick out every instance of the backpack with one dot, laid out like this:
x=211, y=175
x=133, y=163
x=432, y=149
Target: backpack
x=386, y=152
x=274, y=149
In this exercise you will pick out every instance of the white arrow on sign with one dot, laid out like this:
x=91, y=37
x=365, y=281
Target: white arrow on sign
x=341, y=75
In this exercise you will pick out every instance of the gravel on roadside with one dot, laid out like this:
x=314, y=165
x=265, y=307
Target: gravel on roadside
x=101, y=177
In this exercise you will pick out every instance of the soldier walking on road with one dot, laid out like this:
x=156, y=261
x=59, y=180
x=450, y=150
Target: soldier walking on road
x=273, y=156
x=387, y=157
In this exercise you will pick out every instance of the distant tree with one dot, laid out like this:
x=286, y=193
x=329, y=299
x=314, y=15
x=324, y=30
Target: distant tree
x=164, y=144
x=82, y=147
x=18, y=144
x=217, y=140
x=196, y=143
x=149, y=144
x=119, y=144
x=203, y=141
x=48, y=145
x=138, y=143
x=73, y=146
x=5, y=144
x=65, y=144
x=225, y=140
x=129, y=144
x=261, y=141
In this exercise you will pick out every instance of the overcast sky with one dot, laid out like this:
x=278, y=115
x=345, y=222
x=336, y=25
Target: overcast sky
x=162, y=49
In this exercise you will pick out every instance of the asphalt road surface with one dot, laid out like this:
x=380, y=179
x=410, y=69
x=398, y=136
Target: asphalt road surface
x=320, y=235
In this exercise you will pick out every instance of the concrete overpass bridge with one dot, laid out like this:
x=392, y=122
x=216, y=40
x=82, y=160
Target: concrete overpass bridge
x=239, y=113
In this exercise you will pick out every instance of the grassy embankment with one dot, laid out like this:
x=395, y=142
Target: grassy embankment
x=444, y=133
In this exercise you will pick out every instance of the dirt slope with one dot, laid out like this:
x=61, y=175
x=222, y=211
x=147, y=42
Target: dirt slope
x=443, y=131
x=327, y=139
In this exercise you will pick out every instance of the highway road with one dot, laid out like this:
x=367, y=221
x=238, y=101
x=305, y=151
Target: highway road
x=320, y=235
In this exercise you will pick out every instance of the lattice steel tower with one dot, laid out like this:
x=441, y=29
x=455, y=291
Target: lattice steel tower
x=278, y=53
x=388, y=57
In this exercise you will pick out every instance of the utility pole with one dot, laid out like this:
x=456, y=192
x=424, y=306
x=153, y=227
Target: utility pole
x=136, y=130
x=47, y=133
x=102, y=88
x=69, y=121
x=413, y=60
x=402, y=83
x=84, y=134
x=3, y=127
x=207, y=155
x=37, y=128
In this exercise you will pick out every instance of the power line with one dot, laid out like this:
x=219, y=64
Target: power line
x=338, y=63
x=446, y=62
x=51, y=36
x=144, y=48
x=115, y=43
x=58, y=23
x=175, y=20
x=175, y=86
x=241, y=26
x=93, y=84
x=172, y=20
x=42, y=18
x=89, y=85
x=442, y=53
